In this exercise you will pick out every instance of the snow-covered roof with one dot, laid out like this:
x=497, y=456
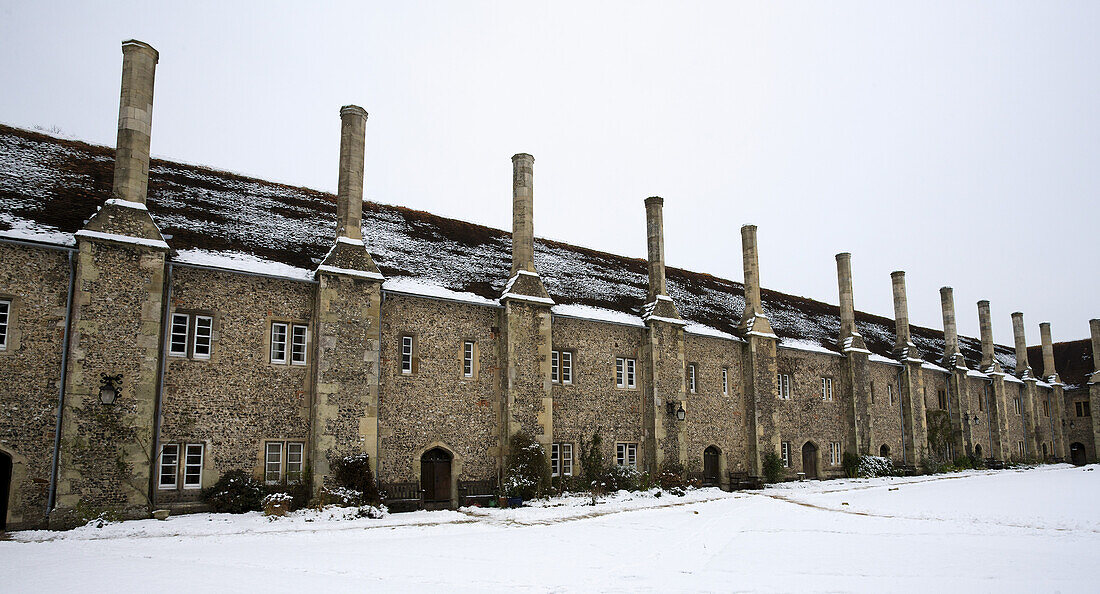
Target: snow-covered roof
x=50, y=186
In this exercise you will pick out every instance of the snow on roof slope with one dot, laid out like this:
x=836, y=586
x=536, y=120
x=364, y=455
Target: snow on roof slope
x=49, y=186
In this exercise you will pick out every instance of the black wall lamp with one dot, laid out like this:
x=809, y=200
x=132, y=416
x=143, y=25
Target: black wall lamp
x=679, y=413
x=109, y=387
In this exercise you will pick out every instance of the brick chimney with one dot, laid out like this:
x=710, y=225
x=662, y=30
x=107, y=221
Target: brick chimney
x=349, y=193
x=135, y=120
x=523, y=206
x=904, y=346
x=951, y=353
x=753, y=319
x=849, y=337
x=1022, y=367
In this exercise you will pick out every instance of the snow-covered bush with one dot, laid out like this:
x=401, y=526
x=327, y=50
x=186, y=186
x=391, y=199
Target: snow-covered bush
x=235, y=492
x=353, y=482
x=528, y=474
x=673, y=478
x=277, y=504
x=624, y=478
x=873, y=466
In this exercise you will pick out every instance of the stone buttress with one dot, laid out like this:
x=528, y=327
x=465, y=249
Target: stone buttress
x=106, y=448
x=526, y=338
x=958, y=393
x=856, y=359
x=664, y=359
x=347, y=322
x=758, y=360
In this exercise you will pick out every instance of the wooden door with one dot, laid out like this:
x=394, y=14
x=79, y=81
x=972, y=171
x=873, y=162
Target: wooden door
x=710, y=466
x=809, y=460
x=435, y=476
x=1077, y=454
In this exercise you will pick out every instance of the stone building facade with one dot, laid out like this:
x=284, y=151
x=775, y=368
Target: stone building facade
x=163, y=324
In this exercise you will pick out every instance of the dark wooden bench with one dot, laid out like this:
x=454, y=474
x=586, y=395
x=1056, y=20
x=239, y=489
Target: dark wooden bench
x=907, y=470
x=478, y=493
x=402, y=497
x=994, y=464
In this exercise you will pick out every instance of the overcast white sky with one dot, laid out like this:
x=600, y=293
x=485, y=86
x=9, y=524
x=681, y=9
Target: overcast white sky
x=957, y=141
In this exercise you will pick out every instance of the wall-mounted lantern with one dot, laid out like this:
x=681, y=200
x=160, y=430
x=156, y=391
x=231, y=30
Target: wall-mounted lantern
x=679, y=413
x=109, y=387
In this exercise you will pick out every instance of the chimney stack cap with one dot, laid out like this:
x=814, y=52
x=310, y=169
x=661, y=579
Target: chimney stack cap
x=141, y=45
x=524, y=156
x=353, y=109
x=897, y=273
x=844, y=256
x=654, y=200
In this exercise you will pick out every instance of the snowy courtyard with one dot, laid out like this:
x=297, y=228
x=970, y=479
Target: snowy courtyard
x=1034, y=530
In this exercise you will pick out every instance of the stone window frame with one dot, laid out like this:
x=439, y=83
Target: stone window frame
x=785, y=453
x=692, y=378
x=12, y=332
x=1082, y=408
x=474, y=360
x=941, y=399
x=161, y=465
x=783, y=385
x=188, y=465
x=192, y=334
x=1016, y=406
x=180, y=465
x=299, y=357
x=626, y=454
x=285, y=448
x=1046, y=406
x=414, y=354
x=290, y=324
x=835, y=453
x=826, y=388
x=558, y=458
x=725, y=381
x=561, y=366
x=626, y=373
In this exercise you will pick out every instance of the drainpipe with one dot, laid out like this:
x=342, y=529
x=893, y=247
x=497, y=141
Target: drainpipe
x=52, y=499
x=901, y=411
x=154, y=457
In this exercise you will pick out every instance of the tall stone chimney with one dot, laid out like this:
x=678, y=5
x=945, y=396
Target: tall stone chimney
x=849, y=337
x=753, y=319
x=1094, y=326
x=951, y=353
x=1022, y=367
x=1048, y=353
x=655, y=236
x=523, y=207
x=986, y=324
x=349, y=192
x=901, y=315
x=135, y=120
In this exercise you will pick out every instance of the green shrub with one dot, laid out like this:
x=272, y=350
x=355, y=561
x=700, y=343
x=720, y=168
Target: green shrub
x=772, y=467
x=235, y=492
x=592, y=466
x=963, y=463
x=673, y=478
x=353, y=482
x=850, y=462
x=873, y=466
x=528, y=474
x=623, y=478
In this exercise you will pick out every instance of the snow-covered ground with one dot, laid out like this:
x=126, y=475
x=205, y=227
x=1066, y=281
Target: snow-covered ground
x=1032, y=530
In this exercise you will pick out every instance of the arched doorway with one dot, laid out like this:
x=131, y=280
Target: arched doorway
x=809, y=460
x=884, y=451
x=1077, y=453
x=978, y=451
x=435, y=478
x=5, y=488
x=711, y=473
